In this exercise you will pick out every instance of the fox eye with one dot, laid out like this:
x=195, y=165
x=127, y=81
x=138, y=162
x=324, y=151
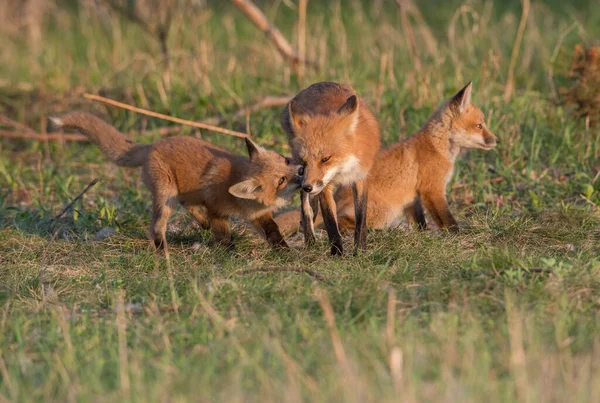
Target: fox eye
x=479, y=126
x=301, y=171
x=324, y=160
x=287, y=161
x=281, y=180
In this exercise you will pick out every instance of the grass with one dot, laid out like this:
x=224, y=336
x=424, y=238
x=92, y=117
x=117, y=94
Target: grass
x=505, y=310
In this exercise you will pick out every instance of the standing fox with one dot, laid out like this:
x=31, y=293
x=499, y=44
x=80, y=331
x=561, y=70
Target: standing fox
x=335, y=136
x=210, y=182
x=414, y=173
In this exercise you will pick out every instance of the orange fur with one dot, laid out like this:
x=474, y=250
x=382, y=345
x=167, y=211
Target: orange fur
x=210, y=182
x=336, y=137
x=414, y=173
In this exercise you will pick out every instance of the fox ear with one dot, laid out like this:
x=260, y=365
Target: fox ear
x=349, y=107
x=253, y=148
x=296, y=115
x=462, y=99
x=247, y=189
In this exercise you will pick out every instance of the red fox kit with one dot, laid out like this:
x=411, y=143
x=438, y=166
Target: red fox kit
x=414, y=173
x=210, y=182
x=335, y=136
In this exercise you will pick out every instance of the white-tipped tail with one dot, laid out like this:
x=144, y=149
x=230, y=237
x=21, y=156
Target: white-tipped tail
x=56, y=122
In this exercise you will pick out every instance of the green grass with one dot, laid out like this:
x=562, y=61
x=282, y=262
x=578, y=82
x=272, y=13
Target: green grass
x=507, y=310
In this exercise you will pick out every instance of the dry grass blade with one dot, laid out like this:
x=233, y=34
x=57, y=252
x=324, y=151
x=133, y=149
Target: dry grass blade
x=517, y=350
x=260, y=20
x=510, y=81
x=293, y=269
x=165, y=117
x=88, y=187
x=123, y=351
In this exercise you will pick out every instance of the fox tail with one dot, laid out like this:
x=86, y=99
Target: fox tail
x=114, y=144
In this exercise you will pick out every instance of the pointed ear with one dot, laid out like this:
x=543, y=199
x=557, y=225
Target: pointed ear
x=462, y=99
x=296, y=115
x=253, y=148
x=349, y=107
x=247, y=189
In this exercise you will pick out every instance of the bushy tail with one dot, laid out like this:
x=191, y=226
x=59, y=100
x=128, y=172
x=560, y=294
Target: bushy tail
x=117, y=147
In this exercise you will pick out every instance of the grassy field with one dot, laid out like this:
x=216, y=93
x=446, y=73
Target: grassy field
x=506, y=310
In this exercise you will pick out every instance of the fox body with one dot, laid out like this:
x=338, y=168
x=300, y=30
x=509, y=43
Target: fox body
x=413, y=174
x=335, y=136
x=211, y=183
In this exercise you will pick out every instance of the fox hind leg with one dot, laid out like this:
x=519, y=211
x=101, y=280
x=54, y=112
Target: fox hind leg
x=271, y=231
x=199, y=215
x=221, y=230
x=163, y=203
x=360, y=193
x=415, y=215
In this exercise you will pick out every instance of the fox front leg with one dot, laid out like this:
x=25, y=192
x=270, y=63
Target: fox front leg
x=329, y=213
x=437, y=205
x=307, y=218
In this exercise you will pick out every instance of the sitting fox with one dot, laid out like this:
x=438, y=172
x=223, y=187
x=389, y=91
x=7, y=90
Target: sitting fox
x=211, y=183
x=414, y=173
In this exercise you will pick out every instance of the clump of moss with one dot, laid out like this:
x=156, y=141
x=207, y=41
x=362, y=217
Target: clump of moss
x=583, y=95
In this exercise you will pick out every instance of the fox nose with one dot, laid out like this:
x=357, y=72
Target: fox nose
x=307, y=188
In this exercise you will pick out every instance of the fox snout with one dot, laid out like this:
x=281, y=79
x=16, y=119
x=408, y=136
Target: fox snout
x=490, y=139
x=313, y=188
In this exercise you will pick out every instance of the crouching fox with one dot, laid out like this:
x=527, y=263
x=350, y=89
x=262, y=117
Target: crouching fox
x=210, y=182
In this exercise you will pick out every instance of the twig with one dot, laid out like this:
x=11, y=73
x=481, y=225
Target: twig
x=510, y=81
x=43, y=137
x=260, y=20
x=16, y=125
x=164, y=117
x=294, y=269
x=264, y=103
x=92, y=183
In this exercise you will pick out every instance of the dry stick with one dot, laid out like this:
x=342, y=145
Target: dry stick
x=510, y=82
x=165, y=117
x=264, y=103
x=261, y=21
x=92, y=183
x=329, y=315
x=311, y=273
x=16, y=125
x=44, y=137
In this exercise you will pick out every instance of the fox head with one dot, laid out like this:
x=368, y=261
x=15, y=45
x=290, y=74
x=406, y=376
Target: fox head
x=467, y=123
x=272, y=178
x=322, y=144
